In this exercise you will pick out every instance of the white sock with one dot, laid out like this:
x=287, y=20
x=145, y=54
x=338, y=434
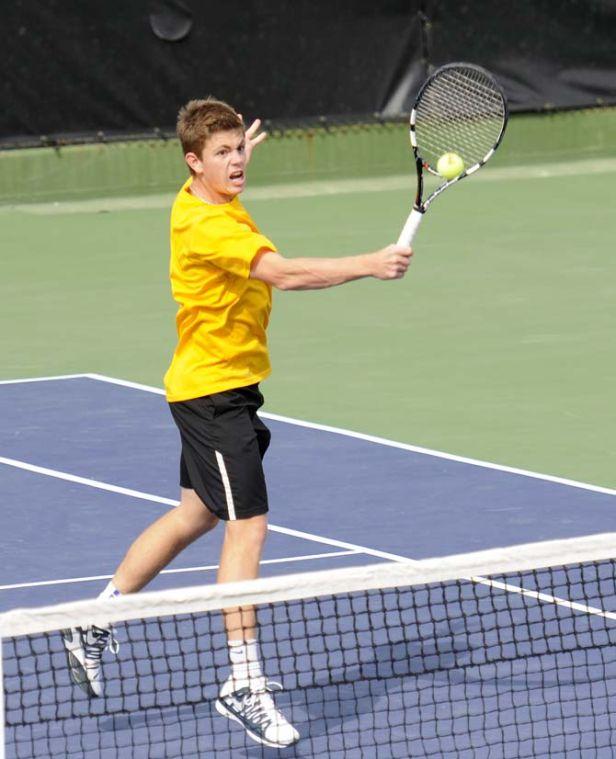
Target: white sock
x=245, y=660
x=110, y=591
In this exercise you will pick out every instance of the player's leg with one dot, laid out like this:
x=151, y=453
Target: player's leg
x=246, y=697
x=240, y=558
x=162, y=541
x=157, y=545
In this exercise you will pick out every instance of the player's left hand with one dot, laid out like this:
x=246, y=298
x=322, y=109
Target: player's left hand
x=253, y=137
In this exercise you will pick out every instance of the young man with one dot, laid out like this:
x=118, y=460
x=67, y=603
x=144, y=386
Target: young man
x=222, y=272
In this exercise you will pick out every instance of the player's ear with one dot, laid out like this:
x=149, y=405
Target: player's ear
x=193, y=162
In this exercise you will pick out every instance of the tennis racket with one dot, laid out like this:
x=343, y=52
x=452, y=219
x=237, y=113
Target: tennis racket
x=460, y=109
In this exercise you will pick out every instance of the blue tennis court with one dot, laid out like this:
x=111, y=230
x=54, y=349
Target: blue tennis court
x=88, y=461
x=72, y=448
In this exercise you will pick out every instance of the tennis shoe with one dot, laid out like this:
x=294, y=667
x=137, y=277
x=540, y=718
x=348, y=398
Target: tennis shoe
x=84, y=651
x=250, y=704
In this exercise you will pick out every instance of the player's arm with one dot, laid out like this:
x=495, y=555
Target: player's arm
x=317, y=273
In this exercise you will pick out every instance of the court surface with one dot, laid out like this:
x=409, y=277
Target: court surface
x=91, y=460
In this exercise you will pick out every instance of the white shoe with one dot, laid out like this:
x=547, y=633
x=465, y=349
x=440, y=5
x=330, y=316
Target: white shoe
x=250, y=704
x=84, y=651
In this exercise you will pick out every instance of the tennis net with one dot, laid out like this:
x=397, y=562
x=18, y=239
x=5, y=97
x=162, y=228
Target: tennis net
x=501, y=653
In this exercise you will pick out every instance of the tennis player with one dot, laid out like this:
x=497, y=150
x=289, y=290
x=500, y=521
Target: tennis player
x=222, y=273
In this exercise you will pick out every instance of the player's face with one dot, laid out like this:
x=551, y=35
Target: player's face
x=222, y=164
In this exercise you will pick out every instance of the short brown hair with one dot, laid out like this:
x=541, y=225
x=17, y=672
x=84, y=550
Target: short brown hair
x=199, y=119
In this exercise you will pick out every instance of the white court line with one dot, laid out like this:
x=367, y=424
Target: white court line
x=546, y=598
x=66, y=476
x=85, y=481
x=181, y=570
x=124, y=383
x=386, y=442
x=44, y=379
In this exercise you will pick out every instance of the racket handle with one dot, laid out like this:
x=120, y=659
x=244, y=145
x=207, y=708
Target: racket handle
x=410, y=228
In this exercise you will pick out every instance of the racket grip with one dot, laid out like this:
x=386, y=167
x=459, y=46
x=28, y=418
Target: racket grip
x=410, y=228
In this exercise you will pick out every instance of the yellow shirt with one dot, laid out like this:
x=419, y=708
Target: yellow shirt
x=223, y=314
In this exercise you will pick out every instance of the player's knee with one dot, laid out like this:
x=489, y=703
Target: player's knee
x=251, y=532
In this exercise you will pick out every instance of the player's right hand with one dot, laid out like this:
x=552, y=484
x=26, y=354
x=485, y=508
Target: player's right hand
x=391, y=262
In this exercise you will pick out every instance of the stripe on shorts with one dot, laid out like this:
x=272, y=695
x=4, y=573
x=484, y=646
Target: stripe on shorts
x=227, y=484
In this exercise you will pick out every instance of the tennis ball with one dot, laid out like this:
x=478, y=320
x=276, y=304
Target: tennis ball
x=450, y=165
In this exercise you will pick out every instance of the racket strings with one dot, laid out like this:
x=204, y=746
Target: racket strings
x=460, y=111
x=460, y=95
x=449, y=125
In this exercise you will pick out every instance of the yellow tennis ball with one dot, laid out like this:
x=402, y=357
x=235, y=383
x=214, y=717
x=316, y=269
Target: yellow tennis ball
x=450, y=165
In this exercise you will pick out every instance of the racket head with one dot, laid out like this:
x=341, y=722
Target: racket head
x=461, y=109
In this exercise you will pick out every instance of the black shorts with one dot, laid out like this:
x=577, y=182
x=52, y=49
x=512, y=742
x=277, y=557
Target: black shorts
x=223, y=444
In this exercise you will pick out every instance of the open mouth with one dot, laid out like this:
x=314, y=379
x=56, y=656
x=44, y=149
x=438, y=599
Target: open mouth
x=237, y=176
